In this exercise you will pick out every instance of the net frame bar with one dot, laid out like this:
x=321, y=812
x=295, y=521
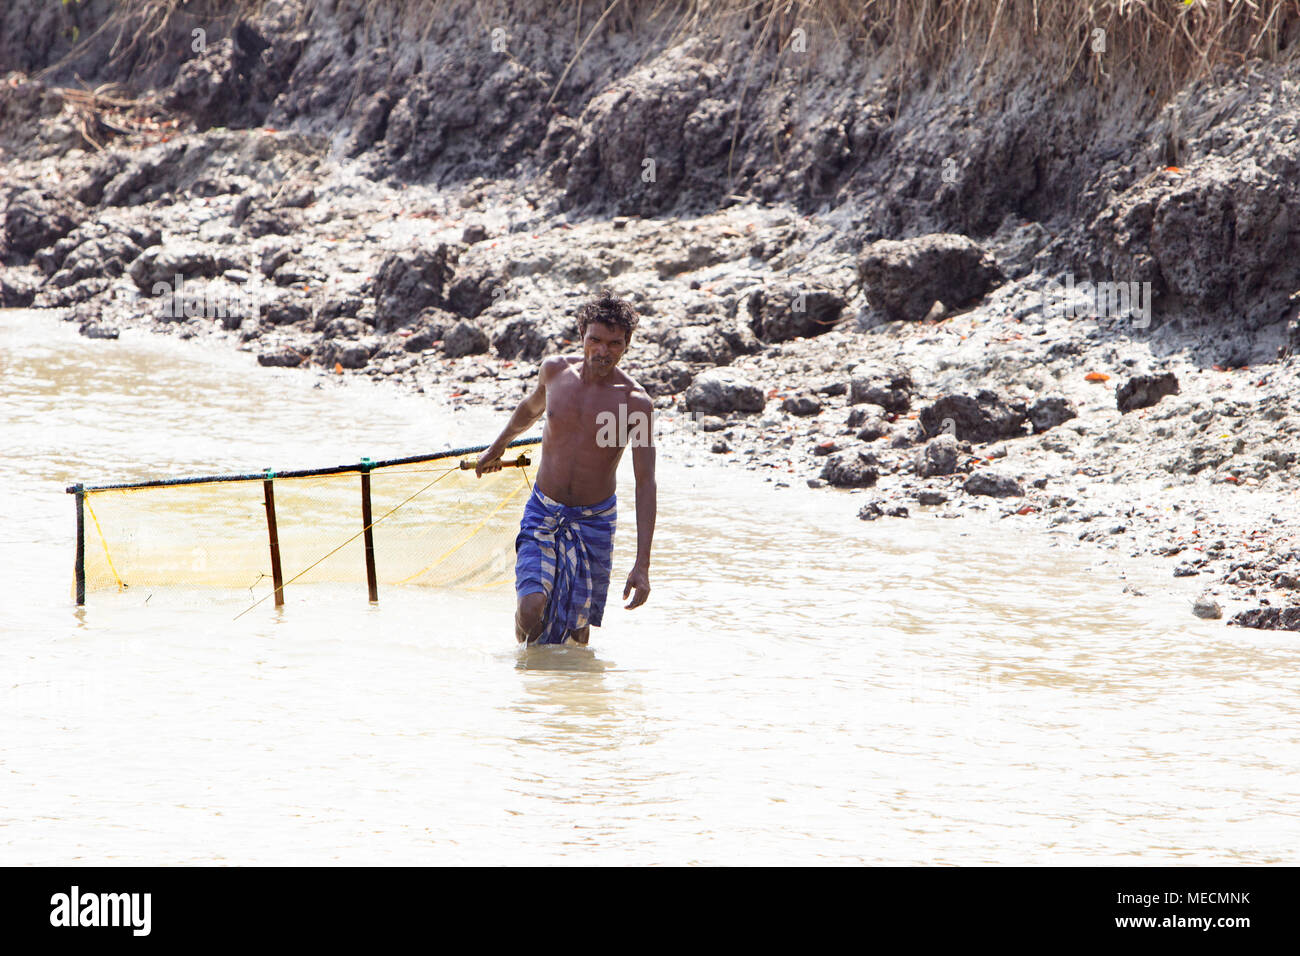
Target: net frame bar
x=361, y=466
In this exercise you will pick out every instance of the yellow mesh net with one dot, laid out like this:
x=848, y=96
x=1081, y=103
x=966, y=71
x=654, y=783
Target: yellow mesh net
x=432, y=523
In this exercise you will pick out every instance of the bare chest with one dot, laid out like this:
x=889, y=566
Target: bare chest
x=578, y=410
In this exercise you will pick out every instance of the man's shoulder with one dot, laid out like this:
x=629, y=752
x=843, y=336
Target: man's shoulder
x=636, y=393
x=557, y=363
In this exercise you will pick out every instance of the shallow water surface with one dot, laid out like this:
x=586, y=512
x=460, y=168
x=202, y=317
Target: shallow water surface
x=802, y=687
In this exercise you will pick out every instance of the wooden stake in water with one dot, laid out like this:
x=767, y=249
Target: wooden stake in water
x=80, y=566
x=366, y=521
x=277, y=577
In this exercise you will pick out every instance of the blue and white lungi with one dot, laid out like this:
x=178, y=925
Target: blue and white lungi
x=566, y=553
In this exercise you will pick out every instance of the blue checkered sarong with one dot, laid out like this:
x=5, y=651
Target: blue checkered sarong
x=566, y=553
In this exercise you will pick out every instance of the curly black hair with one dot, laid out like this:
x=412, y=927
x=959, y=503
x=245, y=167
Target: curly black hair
x=608, y=310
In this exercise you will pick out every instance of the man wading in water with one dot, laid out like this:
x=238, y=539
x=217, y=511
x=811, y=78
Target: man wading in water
x=565, y=543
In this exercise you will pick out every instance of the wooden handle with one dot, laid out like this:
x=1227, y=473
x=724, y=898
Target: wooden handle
x=520, y=462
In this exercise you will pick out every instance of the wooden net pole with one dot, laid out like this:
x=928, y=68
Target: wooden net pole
x=277, y=576
x=79, y=568
x=367, y=519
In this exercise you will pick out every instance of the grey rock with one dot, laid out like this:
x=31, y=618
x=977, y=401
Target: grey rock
x=982, y=418
x=878, y=508
x=1272, y=618
x=340, y=328
x=874, y=427
x=851, y=469
x=93, y=250
x=1143, y=391
x=409, y=282
x=286, y=310
x=1066, y=349
x=32, y=219
x=667, y=103
x=698, y=343
x=792, y=311
x=234, y=80
x=1051, y=411
x=353, y=354
x=1017, y=247
x=299, y=198
x=430, y=331
x=465, y=338
x=51, y=297
x=190, y=260
x=95, y=330
x=667, y=378
x=802, y=404
x=904, y=278
x=273, y=258
x=937, y=457
x=333, y=306
x=242, y=206
x=1216, y=237
x=721, y=390
x=271, y=222
x=88, y=182
x=890, y=387
x=15, y=293
x=284, y=357
x=860, y=414
x=992, y=484
x=471, y=295
x=1206, y=607
x=374, y=117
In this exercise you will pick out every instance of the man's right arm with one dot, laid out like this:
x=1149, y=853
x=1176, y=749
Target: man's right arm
x=528, y=411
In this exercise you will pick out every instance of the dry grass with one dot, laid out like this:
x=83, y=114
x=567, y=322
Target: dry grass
x=141, y=30
x=1162, y=42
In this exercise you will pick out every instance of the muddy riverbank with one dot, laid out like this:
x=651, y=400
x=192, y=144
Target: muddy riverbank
x=1062, y=303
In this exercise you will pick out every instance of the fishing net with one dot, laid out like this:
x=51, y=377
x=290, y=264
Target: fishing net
x=432, y=522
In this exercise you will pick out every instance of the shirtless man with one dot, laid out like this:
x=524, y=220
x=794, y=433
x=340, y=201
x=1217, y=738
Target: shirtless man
x=593, y=411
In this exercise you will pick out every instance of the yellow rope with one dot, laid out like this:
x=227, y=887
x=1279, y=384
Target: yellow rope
x=493, y=585
x=469, y=534
x=347, y=542
x=100, y=531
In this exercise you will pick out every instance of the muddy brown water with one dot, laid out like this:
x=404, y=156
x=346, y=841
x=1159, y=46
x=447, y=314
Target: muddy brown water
x=802, y=687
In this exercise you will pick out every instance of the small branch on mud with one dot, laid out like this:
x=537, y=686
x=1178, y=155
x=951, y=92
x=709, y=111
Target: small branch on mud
x=109, y=108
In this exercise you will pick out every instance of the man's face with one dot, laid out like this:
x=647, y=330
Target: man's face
x=602, y=346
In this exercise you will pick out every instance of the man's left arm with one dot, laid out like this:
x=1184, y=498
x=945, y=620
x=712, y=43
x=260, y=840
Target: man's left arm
x=643, y=467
